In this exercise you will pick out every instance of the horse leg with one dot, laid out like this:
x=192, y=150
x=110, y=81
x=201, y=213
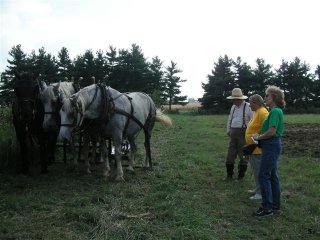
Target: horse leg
x=104, y=155
x=92, y=149
x=24, y=158
x=64, y=151
x=103, y=147
x=52, y=141
x=44, y=156
x=21, y=137
x=86, y=150
x=148, y=161
x=132, y=153
x=73, y=152
x=117, y=155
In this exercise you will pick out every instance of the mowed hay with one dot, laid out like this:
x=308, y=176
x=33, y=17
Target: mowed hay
x=189, y=106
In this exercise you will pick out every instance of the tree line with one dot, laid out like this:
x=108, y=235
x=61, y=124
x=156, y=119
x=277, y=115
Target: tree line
x=126, y=70
x=301, y=87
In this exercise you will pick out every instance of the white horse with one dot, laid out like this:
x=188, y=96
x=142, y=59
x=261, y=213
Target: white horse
x=114, y=115
x=52, y=97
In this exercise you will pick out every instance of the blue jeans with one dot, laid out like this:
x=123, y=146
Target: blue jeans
x=268, y=174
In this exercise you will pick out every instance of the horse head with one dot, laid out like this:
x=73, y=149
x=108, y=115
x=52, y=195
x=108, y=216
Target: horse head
x=26, y=91
x=51, y=103
x=69, y=113
x=75, y=109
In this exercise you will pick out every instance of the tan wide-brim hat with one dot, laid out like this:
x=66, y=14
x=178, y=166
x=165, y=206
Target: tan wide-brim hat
x=237, y=94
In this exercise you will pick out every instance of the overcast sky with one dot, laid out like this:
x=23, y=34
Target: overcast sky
x=192, y=33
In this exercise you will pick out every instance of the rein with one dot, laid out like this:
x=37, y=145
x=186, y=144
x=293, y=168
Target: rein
x=79, y=128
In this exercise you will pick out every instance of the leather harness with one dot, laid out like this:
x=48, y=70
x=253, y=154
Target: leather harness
x=108, y=109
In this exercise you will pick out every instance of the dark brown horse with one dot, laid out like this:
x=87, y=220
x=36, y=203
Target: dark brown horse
x=27, y=110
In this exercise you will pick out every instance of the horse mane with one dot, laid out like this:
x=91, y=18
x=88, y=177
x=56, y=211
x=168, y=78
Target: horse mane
x=67, y=105
x=65, y=88
x=83, y=96
x=79, y=98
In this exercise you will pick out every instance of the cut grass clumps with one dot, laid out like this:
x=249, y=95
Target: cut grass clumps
x=183, y=197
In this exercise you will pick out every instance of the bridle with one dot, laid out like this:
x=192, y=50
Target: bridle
x=75, y=117
x=77, y=125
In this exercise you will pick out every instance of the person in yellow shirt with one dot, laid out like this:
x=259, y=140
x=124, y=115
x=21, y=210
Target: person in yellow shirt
x=254, y=126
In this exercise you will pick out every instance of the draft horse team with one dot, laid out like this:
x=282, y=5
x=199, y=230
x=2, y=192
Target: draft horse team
x=44, y=113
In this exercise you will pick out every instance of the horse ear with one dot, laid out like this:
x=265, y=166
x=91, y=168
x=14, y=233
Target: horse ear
x=42, y=86
x=73, y=100
x=38, y=74
x=77, y=87
x=56, y=87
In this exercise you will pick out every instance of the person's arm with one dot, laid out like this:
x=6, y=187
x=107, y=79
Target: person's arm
x=271, y=132
x=229, y=120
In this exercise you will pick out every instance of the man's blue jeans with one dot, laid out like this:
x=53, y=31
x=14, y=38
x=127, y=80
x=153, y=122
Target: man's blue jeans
x=268, y=174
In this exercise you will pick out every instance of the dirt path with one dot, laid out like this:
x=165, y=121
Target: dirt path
x=301, y=140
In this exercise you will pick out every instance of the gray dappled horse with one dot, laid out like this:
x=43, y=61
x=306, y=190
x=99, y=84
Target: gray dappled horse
x=51, y=97
x=114, y=115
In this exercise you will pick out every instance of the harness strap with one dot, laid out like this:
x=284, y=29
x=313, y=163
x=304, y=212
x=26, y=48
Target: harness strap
x=130, y=116
x=243, y=116
x=76, y=87
x=234, y=108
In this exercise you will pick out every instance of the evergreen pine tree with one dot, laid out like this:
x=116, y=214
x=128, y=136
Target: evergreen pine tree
x=18, y=63
x=172, y=85
x=64, y=65
x=219, y=85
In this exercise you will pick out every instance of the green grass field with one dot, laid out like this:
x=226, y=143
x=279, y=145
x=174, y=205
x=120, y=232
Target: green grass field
x=183, y=197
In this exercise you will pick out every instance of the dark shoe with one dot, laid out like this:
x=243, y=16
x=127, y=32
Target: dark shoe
x=263, y=213
x=260, y=209
x=276, y=210
x=229, y=168
x=241, y=171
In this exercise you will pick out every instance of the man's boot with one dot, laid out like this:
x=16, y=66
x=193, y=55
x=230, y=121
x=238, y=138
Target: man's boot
x=241, y=171
x=229, y=171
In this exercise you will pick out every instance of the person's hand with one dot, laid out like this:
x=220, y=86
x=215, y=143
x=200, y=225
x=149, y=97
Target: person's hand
x=255, y=137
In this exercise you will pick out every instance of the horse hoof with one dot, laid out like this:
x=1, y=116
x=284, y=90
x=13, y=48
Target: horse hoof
x=106, y=174
x=130, y=168
x=119, y=179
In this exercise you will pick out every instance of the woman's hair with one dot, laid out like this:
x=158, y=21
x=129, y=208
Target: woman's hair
x=257, y=99
x=277, y=96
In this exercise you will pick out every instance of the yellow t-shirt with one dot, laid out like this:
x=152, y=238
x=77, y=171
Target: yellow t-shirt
x=254, y=126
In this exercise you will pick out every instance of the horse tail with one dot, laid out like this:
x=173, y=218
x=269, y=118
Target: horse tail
x=162, y=118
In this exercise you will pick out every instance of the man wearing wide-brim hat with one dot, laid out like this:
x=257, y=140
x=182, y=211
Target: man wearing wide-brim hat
x=238, y=119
